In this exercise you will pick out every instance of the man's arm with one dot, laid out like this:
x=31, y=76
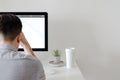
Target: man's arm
x=24, y=43
x=40, y=75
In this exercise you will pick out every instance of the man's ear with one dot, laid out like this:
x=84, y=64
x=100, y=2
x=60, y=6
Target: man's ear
x=19, y=37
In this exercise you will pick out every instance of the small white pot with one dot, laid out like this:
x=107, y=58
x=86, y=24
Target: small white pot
x=57, y=59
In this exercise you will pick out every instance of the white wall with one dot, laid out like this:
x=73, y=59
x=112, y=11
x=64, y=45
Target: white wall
x=92, y=26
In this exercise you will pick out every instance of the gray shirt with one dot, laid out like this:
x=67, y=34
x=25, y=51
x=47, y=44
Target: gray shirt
x=18, y=66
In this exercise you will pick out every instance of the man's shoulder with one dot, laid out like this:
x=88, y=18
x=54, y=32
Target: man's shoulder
x=15, y=55
x=17, y=58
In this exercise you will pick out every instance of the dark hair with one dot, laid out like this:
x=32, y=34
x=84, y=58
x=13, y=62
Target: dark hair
x=10, y=26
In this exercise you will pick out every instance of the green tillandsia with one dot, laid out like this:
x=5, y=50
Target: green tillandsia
x=56, y=53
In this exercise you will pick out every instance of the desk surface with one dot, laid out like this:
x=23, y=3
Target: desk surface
x=60, y=73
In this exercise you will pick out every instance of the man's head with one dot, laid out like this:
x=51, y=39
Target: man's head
x=10, y=27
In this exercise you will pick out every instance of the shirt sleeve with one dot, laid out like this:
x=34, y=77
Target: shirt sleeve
x=41, y=73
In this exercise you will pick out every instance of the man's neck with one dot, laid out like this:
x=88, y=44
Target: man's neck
x=9, y=43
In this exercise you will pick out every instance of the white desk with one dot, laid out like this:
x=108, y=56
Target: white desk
x=60, y=73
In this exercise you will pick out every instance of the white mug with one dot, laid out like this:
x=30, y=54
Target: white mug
x=69, y=57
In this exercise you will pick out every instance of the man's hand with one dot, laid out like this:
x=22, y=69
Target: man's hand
x=24, y=43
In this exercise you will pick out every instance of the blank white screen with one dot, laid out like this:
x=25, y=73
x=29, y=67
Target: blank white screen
x=34, y=30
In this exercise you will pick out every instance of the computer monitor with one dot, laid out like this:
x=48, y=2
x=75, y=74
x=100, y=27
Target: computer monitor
x=35, y=28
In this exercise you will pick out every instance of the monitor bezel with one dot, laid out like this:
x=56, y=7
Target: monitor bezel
x=46, y=27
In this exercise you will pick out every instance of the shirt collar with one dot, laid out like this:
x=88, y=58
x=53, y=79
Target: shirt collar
x=7, y=47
